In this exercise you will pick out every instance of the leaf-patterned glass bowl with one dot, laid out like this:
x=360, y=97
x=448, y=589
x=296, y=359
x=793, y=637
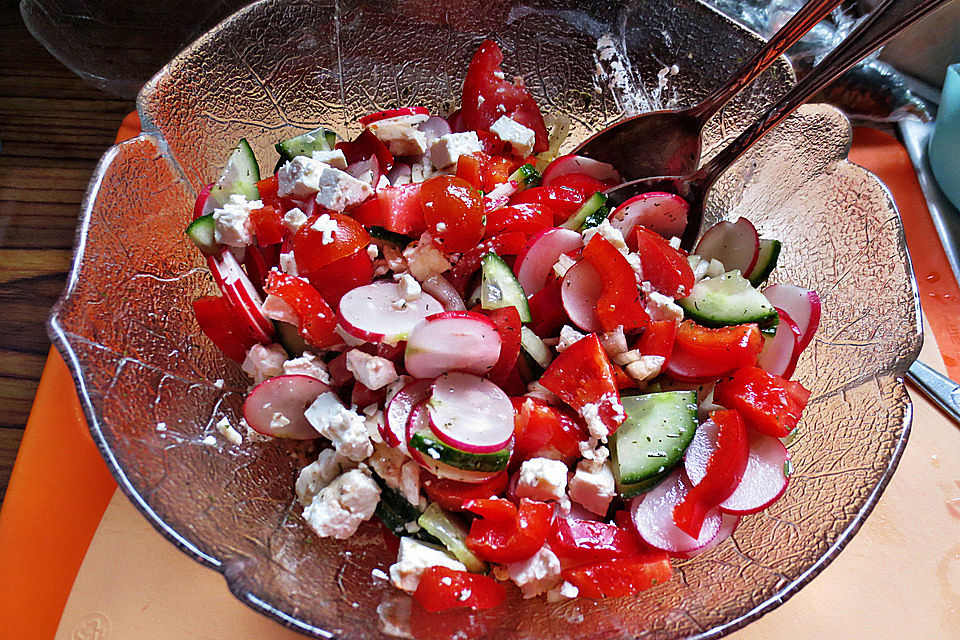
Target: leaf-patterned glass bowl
x=125, y=323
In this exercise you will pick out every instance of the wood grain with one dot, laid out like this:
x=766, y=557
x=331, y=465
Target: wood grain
x=53, y=130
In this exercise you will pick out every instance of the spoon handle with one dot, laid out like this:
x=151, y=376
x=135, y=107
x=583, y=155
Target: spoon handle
x=887, y=20
x=802, y=21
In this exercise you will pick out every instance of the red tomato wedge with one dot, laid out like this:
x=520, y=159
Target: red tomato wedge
x=506, y=533
x=663, y=266
x=525, y=218
x=343, y=275
x=487, y=96
x=453, y=212
x=395, y=209
x=442, y=588
x=542, y=430
x=317, y=321
x=561, y=201
x=310, y=251
x=620, y=577
x=700, y=353
x=507, y=320
x=768, y=403
x=267, y=225
x=620, y=303
x=219, y=322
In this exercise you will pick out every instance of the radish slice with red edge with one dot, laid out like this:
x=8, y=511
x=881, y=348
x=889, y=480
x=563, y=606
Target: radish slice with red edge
x=455, y=120
x=578, y=164
x=420, y=422
x=241, y=294
x=441, y=289
x=663, y=213
x=500, y=195
x=370, y=313
x=434, y=128
x=287, y=397
x=366, y=170
x=536, y=262
x=204, y=204
x=394, y=428
x=765, y=478
x=400, y=173
x=780, y=354
x=370, y=118
x=652, y=515
x=728, y=524
x=452, y=341
x=802, y=305
x=579, y=292
x=702, y=446
x=735, y=244
x=470, y=413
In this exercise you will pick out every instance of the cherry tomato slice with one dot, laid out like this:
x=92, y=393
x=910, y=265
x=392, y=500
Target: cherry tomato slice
x=453, y=211
x=310, y=251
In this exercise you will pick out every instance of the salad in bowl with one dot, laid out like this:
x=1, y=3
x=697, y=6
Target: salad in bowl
x=522, y=384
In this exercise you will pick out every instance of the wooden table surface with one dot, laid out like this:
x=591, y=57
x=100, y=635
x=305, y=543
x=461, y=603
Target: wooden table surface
x=53, y=129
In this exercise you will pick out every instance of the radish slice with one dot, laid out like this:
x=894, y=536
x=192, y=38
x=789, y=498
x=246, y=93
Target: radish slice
x=500, y=196
x=420, y=422
x=370, y=313
x=765, y=479
x=241, y=294
x=400, y=173
x=652, y=515
x=580, y=291
x=366, y=170
x=441, y=289
x=470, y=413
x=663, y=213
x=536, y=262
x=780, y=355
x=370, y=118
x=434, y=128
x=728, y=524
x=276, y=407
x=455, y=120
x=394, y=430
x=698, y=454
x=735, y=244
x=802, y=305
x=204, y=204
x=452, y=341
x=578, y=164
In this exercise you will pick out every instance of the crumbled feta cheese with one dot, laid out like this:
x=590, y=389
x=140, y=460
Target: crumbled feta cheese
x=307, y=364
x=590, y=413
x=645, y=368
x=568, y=336
x=264, y=362
x=277, y=309
x=334, y=158
x=339, y=508
x=386, y=462
x=319, y=473
x=610, y=233
x=294, y=219
x=299, y=178
x=373, y=372
x=278, y=421
x=661, y=307
x=228, y=432
x=327, y=227
x=715, y=269
x=210, y=441
x=449, y=147
x=626, y=358
x=425, y=260
x=614, y=342
x=519, y=137
x=563, y=591
x=161, y=426
x=415, y=558
x=337, y=190
x=373, y=251
x=401, y=134
x=218, y=383
x=231, y=222
x=441, y=227
x=345, y=428
x=252, y=435
x=675, y=242
x=382, y=183
x=536, y=574
x=593, y=488
x=379, y=574
x=593, y=456
x=698, y=265
x=542, y=479
x=563, y=264
x=633, y=259
x=421, y=170
x=410, y=289
x=288, y=263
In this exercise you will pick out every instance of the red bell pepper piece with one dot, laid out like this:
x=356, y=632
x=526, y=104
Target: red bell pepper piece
x=620, y=303
x=365, y=146
x=582, y=183
x=562, y=201
x=540, y=429
x=500, y=97
x=507, y=320
x=268, y=188
x=505, y=244
x=316, y=320
x=442, y=588
x=496, y=172
x=700, y=353
x=582, y=376
x=452, y=495
x=470, y=168
x=396, y=209
x=491, y=144
x=620, y=577
x=219, y=322
x=658, y=339
x=546, y=309
x=267, y=225
x=586, y=541
x=527, y=218
x=663, y=266
x=343, y=275
x=724, y=471
x=505, y=533
x=768, y=403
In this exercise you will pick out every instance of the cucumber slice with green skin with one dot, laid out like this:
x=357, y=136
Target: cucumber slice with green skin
x=240, y=175
x=728, y=300
x=390, y=237
x=397, y=513
x=651, y=441
x=526, y=176
x=533, y=346
x=319, y=139
x=590, y=214
x=499, y=287
x=452, y=533
x=201, y=233
x=766, y=261
x=431, y=447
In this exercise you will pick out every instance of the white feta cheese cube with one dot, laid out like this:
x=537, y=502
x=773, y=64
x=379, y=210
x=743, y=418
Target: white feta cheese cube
x=563, y=264
x=449, y=147
x=294, y=219
x=614, y=342
x=373, y=372
x=518, y=136
x=307, y=364
x=661, y=307
x=610, y=233
x=401, y=134
x=231, y=222
x=645, y=368
x=288, y=264
x=337, y=190
x=276, y=309
x=563, y=591
x=327, y=227
x=338, y=509
x=230, y=434
x=300, y=178
x=594, y=489
x=334, y=158
x=536, y=574
x=319, y=473
x=415, y=558
x=568, y=336
x=425, y=260
x=715, y=269
x=264, y=362
x=542, y=479
x=410, y=289
x=346, y=429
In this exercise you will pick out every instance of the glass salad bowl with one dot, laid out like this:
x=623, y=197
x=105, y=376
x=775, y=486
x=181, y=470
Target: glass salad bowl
x=279, y=67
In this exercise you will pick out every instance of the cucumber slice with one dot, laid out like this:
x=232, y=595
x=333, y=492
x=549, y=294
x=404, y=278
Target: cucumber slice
x=432, y=447
x=452, y=533
x=398, y=240
x=766, y=261
x=398, y=514
x=201, y=233
x=590, y=214
x=499, y=287
x=651, y=441
x=728, y=300
x=319, y=139
x=240, y=175
x=526, y=176
x=533, y=346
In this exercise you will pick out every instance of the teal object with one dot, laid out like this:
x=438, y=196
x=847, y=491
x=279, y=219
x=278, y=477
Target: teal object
x=945, y=141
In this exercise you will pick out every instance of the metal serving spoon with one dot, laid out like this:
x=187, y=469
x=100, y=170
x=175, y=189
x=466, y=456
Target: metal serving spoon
x=668, y=142
x=888, y=19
